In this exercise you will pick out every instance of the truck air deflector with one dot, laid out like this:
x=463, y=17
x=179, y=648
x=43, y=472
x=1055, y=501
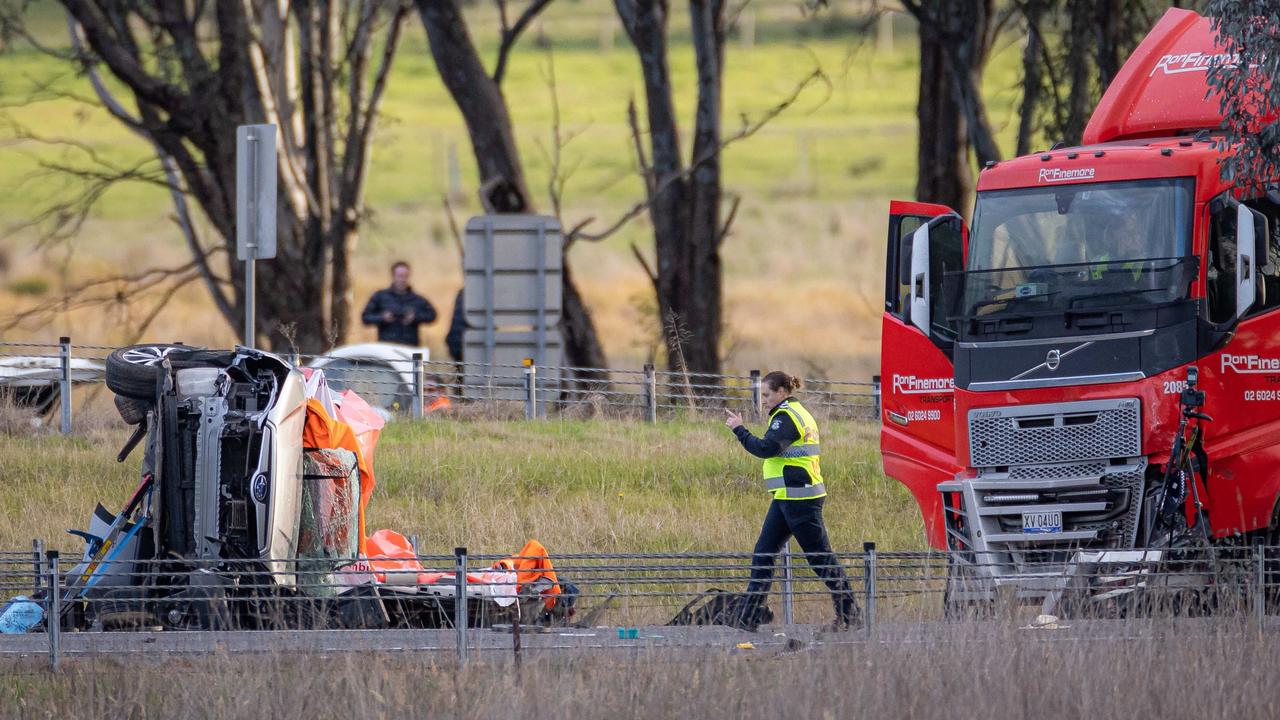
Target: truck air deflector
x=1055, y=340
x=1056, y=381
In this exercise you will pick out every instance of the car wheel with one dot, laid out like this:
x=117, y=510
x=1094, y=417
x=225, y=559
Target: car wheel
x=132, y=371
x=132, y=410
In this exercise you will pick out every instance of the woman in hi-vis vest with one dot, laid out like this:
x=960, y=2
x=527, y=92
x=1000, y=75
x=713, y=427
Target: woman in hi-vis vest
x=793, y=477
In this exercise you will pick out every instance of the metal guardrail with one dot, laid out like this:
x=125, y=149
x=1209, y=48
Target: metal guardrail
x=536, y=392
x=623, y=591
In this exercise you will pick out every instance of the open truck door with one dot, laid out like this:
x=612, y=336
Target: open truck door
x=917, y=415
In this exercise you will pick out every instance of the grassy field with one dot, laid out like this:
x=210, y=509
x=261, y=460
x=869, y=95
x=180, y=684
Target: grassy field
x=578, y=486
x=814, y=183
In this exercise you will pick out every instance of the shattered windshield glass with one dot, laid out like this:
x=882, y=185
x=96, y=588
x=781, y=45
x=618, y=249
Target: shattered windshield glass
x=1050, y=250
x=329, y=529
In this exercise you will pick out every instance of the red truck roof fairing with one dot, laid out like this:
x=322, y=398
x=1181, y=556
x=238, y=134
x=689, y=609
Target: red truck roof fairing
x=1124, y=160
x=1162, y=88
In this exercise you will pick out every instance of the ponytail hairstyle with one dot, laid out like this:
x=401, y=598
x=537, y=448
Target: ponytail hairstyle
x=779, y=380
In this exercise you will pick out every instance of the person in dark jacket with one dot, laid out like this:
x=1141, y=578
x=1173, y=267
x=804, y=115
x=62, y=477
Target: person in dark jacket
x=793, y=478
x=398, y=310
x=457, y=327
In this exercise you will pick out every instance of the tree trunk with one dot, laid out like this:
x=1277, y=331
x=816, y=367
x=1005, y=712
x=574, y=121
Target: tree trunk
x=955, y=38
x=1032, y=75
x=707, y=25
x=943, y=173
x=684, y=207
x=502, y=184
x=1080, y=36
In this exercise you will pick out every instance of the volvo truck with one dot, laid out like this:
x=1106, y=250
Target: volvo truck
x=1036, y=363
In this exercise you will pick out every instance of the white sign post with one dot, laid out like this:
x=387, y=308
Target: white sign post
x=255, y=209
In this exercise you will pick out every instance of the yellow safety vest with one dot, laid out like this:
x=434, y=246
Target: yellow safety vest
x=803, y=453
x=1095, y=271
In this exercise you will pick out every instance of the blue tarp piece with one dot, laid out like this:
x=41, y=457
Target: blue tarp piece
x=20, y=615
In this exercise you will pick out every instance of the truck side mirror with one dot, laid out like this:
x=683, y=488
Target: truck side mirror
x=919, y=294
x=936, y=249
x=1246, y=261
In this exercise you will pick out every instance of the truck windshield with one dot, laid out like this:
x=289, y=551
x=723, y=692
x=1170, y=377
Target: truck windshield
x=1049, y=250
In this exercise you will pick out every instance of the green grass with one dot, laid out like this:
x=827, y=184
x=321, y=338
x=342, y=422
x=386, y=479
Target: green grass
x=578, y=486
x=851, y=139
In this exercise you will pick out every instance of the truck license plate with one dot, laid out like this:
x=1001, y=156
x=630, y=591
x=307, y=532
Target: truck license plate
x=1034, y=523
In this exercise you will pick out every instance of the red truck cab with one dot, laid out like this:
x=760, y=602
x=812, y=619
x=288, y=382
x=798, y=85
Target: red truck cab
x=1032, y=364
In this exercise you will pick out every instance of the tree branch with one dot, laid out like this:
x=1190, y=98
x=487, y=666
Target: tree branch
x=748, y=129
x=644, y=264
x=177, y=194
x=126, y=287
x=728, y=221
x=642, y=163
x=512, y=34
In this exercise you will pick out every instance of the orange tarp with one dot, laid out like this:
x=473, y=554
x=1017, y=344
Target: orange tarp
x=322, y=431
x=530, y=563
x=392, y=553
x=365, y=422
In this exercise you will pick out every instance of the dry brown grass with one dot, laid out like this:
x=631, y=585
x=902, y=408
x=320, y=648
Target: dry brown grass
x=984, y=672
x=833, y=323
x=18, y=421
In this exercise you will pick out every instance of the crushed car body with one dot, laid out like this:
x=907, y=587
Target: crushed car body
x=249, y=512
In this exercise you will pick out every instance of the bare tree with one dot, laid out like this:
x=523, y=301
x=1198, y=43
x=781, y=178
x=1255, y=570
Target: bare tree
x=684, y=205
x=478, y=95
x=193, y=72
x=955, y=40
x=1079, y=47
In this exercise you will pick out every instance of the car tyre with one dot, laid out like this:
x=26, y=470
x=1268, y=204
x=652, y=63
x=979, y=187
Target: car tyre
x=132, y=371
x=132, y=410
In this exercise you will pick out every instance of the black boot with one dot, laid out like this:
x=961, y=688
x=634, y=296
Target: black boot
x=848, y=615
x=746, y=616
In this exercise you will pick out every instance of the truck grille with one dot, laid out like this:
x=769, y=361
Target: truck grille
x=1055, y=433
x=1107, y=506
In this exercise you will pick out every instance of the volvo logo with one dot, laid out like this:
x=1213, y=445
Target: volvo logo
x=1053, y=359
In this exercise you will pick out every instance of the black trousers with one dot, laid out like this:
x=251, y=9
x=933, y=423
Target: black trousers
x=802, y=519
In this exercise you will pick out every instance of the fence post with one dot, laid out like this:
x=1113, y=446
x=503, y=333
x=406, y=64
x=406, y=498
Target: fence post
x=37, y=565
x=650, y=393
x=756, y=402
x=64, y=390
x=875, y=393
x=53, y=620
x=416, y=412
x=460, y=600
x=530, y=389
x=788, y=592
x=1260, y=586
x=869, y=584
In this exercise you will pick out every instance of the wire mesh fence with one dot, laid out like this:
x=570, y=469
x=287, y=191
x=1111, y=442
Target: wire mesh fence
x=624, y=592
x=42, y=376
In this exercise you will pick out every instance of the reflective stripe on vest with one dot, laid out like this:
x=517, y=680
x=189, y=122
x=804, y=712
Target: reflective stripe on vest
x=796, y=451
x=803, y=454
x=796, y=493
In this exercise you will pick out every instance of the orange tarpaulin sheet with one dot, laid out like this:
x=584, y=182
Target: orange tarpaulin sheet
x=392, y=553
x=389, y=551
x=530, y=563
x=365, y=422
x=322, y=431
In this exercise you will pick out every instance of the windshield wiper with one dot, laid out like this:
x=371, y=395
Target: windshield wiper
x=1072, y=305
x=998, y=323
